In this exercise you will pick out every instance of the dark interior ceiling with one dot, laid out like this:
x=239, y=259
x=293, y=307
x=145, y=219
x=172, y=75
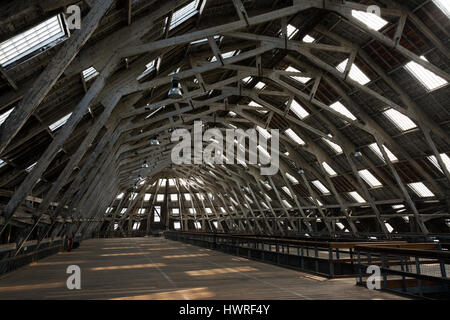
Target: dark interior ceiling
x=80, y=170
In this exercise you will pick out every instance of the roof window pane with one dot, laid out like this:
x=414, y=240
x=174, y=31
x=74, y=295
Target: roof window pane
x=355, y=73
x=329, y=169
x=401, y=121
x=56, y=125
x=377, y=151
x=370, y=178
x=445, y=159
x=291, y=134
x=420, y=189
x=183, y=14
x=427, y=78
x=33, y=41
x=371, y=20
x=357, y=197
x=299, y=110
x=339, y=107
x=319, y=185
x=303, y=80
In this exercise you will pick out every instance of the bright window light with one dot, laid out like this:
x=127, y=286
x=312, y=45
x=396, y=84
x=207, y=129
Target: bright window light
x=319, y=185
x=192, y=210
x=171, y=182
x=291, y=178
x=187, y=197
x=149, y=67
x=208, y=210
x=197, y=225
x=260, y=85
x=340, y=225
x=308, y=39
x=136, y=225
x=318, y=201
x=286, y=204
x=225, y=55
x=141, y=210
x=162, y=182
x=176, y=211
x=173, y=197
x=371, y=20
x=216, y=224
x=5, y=115
x=33, y=41
x=159, y=197
x=147, y=196
x=389, y=227
x=355, y=72
x=444, y=5
x=204, y=40
x=339, y=107
x=303, y=80
x=184, y=14
x=200, y=196
x=123, y=210
x=223, y=210
x=356, y=196
x=109, y=209
x=329, y=169
x=370, y=178
x=420, y=189
x=427, y=78
x=56, y=125
x=291, y=134
x=30, y=167
x=263, y=132
x=176, y=225
x=156, y=217
x=377, y=151
x=2, y=163
x=299, y=110
x=90, y=73
x=288, y=192
x=401, y=121
x=445, y=159
x=120, y=195
x=133, y=195
x=291, y=31
x=337, y=148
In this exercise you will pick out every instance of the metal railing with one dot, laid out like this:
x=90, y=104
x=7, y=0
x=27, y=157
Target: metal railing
x=31, y=251
x=415, y=269
x=327, y=258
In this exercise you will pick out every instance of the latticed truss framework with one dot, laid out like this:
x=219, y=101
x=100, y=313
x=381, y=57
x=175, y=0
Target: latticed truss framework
x=365, y=97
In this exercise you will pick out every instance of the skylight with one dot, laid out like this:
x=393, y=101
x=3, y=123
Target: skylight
x=319, y=185
x=175, y=211
x=445, y=159
x=136, y=225
x=371, y=20
x=2, y=163
x=187, y=197
x=173, y=197
x=156, y=217
x=109, y=209
x=287, y=204
x=147, y=196
x=370, y=178
x=298, y=78
x=204, y=40
x=183, y=14
x=337, y=148
x=288, y=192
x=149, y=67
x=420, y=189
x=177, y=225
x=197, y=225
x=89, y=73
x=263, y=132
x=208, y=210
x=308, y=39
x=377, y=151
x=225, y=55
x=389, y=227
x=172, y=182
x=33, y=41
x=356, y=196
x=339, y=107
x=141, y=210
x=159, y=197
x=260, y=85
x=291, y=31
x=5, y=115
x=56, y=125
x=329, y=169
x=120, y=195
x=30, y=167
x=401, y=121
x=291, y=134
x=192, y=210
x=123, y=210
x=427, y=78
x=133, y=195
x=444, y=5
x=355, y=72
x=318, y=201
x=298, y=110
x=291, y=178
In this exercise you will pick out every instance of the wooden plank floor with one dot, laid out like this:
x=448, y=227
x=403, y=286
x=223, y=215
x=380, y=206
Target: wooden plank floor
x=156, y=268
